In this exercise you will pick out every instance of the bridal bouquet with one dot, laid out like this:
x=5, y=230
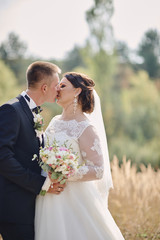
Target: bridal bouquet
x=60, y=161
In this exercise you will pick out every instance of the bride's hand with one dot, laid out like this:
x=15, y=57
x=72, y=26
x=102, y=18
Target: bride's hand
x=56, y=188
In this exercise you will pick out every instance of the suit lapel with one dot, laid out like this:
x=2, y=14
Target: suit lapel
x=29, y=114
x=26, y=108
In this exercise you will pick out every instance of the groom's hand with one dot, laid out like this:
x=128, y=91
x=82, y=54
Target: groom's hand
x=56, y=188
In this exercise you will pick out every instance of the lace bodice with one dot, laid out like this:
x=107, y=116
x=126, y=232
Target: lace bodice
x=84, y=140
x=72, y=128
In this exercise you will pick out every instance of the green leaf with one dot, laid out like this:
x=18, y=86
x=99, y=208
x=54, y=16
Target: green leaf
x=54, y=175
x=63, y=181
x=42, y=192
x=60, y=178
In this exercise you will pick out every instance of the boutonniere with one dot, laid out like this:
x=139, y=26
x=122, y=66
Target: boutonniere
x=38, y=124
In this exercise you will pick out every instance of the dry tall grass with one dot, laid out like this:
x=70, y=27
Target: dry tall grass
x=135, y=200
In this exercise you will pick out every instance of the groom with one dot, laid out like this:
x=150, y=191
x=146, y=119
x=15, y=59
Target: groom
x=20, y=177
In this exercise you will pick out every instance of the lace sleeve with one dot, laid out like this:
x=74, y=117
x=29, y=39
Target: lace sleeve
x=90, y=148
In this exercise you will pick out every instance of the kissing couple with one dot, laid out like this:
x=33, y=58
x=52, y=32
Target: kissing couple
x=73, y=210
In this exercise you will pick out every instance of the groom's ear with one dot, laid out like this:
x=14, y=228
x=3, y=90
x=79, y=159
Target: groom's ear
x=44, y=88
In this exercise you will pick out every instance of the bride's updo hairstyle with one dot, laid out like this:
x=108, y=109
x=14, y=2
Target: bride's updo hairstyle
x=86, y=97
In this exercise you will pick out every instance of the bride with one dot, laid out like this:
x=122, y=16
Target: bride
x=80, y=212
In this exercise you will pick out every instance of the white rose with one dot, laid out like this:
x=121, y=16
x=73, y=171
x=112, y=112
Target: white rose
x=47, y=152
x=63, y=153
x=61, y=169
x=51, y=159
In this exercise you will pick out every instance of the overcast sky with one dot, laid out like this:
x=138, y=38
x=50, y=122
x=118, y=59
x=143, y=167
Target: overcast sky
x=52, y=27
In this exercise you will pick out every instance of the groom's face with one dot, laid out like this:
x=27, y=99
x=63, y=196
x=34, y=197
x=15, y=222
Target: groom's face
x=51, y=93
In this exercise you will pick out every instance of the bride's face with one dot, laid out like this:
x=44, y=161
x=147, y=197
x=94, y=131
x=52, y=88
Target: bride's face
x=66, y=93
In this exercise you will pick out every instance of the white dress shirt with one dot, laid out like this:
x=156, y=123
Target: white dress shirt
x=30, y=103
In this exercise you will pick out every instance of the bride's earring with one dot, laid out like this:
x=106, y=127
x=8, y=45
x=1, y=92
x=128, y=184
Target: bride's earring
x=74, y=105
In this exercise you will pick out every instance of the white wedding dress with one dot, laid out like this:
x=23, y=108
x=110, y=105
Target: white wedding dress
x=79, y=212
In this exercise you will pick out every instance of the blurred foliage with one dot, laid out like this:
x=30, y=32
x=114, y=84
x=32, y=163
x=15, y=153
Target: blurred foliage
x=73, y=59
x=123, y=52
x=13, y=53
x=136, y=121
x=149, y=50
x=98, y=18
x=12, y=48
x=8, y=83
x=128, y=87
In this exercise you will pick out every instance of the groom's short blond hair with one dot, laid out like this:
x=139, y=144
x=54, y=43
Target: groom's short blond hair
x=38, y=71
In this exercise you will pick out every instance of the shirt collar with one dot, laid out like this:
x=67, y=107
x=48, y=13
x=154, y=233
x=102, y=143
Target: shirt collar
x=31, y=104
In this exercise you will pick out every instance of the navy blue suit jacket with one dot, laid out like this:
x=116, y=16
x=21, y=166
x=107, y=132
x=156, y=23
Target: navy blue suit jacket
x=20, y=177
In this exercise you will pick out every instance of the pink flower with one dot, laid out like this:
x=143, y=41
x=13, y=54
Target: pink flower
x=50, y=148
x=63, y=149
